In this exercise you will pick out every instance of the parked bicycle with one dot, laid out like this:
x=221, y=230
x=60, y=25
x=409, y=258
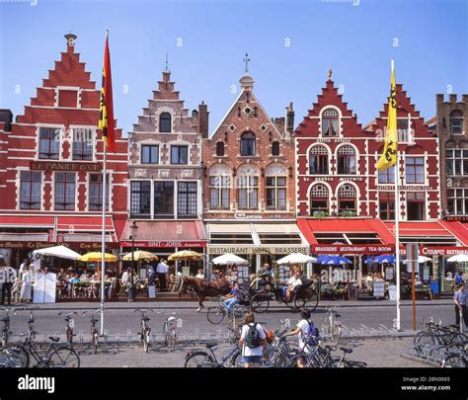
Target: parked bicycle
x=331, y=327
x=57, y=355
x=208, y=359
x=145, y=330
x=94, y=330
x=69, y=326
x=170, y=332
x=6, y=327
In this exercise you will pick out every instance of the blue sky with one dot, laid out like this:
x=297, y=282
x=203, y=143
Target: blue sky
x=207, y=40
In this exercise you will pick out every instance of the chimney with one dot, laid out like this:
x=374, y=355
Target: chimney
x=290, y=118
x=203, y=119
x=6, y=116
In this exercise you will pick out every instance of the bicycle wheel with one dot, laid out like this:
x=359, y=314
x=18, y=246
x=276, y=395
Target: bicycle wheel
x=63, y=357
x=172, y=339
x=95, y=342
x=454, y=360
x=216, y=315
x=259, y=304
x=146, y=341
x=18, y=355
x=424, y=339
x=299, y=303
x=199, y=359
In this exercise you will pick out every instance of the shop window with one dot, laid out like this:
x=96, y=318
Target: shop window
x=83, y=140
x=149, y=154
x=318, y=160
x=186, y=199
x=30, y=190
x=220, y=149
x=164, y=199
x=140, y=199
x=165, y=122
x=319, y=196
x=179, y=155
x=330, y=122
x=95, y=192
x=456, y=122
x=415, y=206
x=346, y=160
x=276, y=193
x=387, y=206
x=49, y=143
x=347, y=200
x=248, y=144
x=65, y=191
x=415, y=170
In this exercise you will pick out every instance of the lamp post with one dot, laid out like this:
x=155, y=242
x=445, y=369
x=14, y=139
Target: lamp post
x=131, y=285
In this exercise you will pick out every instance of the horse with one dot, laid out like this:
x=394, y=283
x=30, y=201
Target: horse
x=204, y=288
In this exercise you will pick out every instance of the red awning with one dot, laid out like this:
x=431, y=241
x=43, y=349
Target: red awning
x=458, y=229
x=165, y=234
x=27, y=221
x=420, y=229
x=85, y=224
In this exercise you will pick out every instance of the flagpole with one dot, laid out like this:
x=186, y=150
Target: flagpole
x=103, y=237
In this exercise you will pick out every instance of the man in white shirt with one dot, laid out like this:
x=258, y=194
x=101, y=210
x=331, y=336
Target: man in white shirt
x=252, y=341
x=161, y=271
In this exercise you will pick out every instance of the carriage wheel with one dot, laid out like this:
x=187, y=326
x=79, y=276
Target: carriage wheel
x=259, y=304
x=299, y=303
x=311, y=302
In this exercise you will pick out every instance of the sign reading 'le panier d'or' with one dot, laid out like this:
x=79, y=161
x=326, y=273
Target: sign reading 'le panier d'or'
x=65, y=166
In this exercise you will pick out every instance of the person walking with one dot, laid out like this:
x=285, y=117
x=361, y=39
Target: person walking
x=161, y=270
x=7, y=277
x=253, y=341
x=26, y=284
x=460, y=305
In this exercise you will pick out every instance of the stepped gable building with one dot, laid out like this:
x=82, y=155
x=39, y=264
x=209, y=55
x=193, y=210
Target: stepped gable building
x=249, y=201
x=51, y=179
x=452, y=130
x=165, y=169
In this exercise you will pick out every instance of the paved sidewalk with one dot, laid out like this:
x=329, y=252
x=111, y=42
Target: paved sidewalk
x=274, y=305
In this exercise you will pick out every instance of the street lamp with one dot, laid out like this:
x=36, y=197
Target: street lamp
x=131, y=285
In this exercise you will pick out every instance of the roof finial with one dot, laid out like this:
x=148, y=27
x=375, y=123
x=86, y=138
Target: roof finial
x=167, y=63
x=70, y=39
x=330, y=73
x=246, y=61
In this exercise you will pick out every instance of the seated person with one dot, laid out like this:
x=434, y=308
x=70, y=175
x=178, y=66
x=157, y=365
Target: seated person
x=232, y=298
x=293, y=284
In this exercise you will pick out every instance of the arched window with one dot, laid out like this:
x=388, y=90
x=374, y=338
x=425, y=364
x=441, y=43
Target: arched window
x=165, y=122
x=220, y=187
x=456, y=122
x=330, y=122
x=318, y=160
x=247, y=187
x=347, y=199
x=220, y=149
x=346, y=160
x=319, y=199
x=247, y=145
x=275, y=149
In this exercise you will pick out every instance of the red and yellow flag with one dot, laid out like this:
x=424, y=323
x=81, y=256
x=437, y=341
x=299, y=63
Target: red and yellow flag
x=106, y=106
x=389, y=155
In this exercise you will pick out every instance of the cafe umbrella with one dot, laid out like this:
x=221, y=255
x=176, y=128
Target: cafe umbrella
x=97, y=256
x=296, y=258
x=185, y=255
x=459, y=258
x=58, y=251
x=140, y=255
x=229, y=259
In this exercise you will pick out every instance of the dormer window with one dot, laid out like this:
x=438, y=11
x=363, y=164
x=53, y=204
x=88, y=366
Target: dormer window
x=330, y=122
x=165, y=122
x=220, y=149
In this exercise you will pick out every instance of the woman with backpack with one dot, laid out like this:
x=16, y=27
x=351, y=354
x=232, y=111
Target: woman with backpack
x=252, y=341
x=307, y=335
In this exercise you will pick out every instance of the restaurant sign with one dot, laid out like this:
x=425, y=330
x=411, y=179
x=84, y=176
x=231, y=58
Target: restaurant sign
x=163, y=243
x=252, y=250
x=42, y=245
x=351, y=249
x=459, y=218
x=65, y=166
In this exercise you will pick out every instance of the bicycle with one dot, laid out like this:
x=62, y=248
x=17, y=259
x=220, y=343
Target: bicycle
x=6, y=327
x=218, y=313
x=207, y=358
x=170, y=332
x=331, y=327
x=56, y=356
x=94, y=330
x=69, y=326
x=145, y=330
